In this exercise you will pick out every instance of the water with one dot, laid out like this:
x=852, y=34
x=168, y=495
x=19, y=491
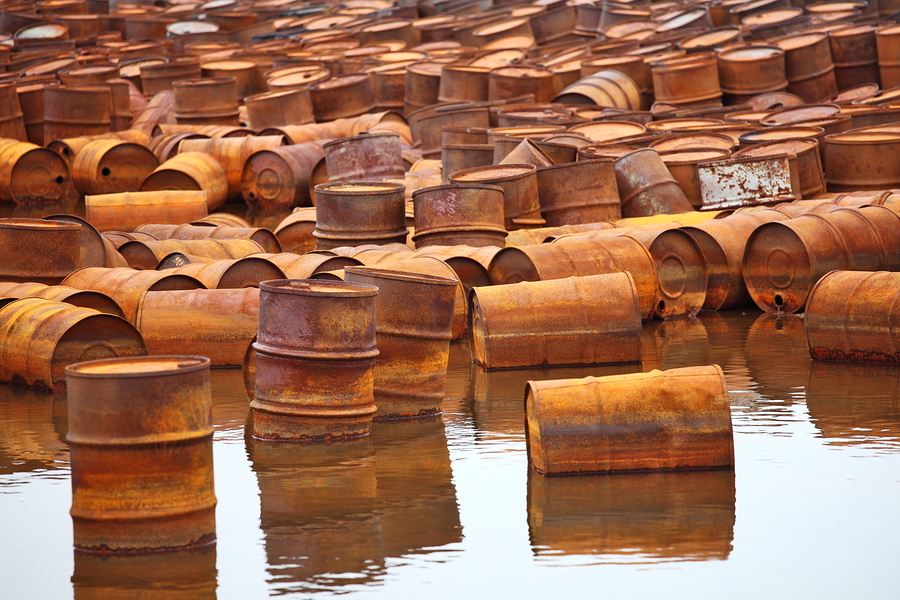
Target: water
x=446, y=507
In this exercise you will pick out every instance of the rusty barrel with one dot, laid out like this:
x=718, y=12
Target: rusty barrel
x=211, y=101
x=579, y=192
x=232, y=153
x=129, y=418
x=223, y=322
x=74, y=111
x=366, y=157
x=646, y=187
x=12, y=120
x=357, y=213
x=31, y=101
x=459, y=214
x=222, y=273
x=191, y=171
x=314, y=379
x=165, y=145
x=463, y=83
x=342, y=96
x=423, y=81
x=525, y=324
x=867, y=159
x=31, y=175
x=160, y=77
x=296, y=266
x=674, y=419
x=147, y=254
x=110, y=166
x=784, y=260
x=722, y=242
x=294, y=233
x=683, y=165
x=127, y=211
x=521, y=200
x=38, y=250
x=59, y=293
x=274, y=109
x=459, y=157
x=747, y=71
x=244, y=72
x=580, y=256
x=804, y=161
x=686, y=80
x=262, y=236
x=887, y=44
x=808, y=66
x=126, y=286
x=42, y=337
x=515, y=81
x=855, y=55
x=850, y=317
x=413, y=319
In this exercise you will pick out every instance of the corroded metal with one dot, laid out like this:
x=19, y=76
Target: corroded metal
x=61, y=293
x=146, y=254
x=341, y=97
x=262, y=236
x=70, y=112
x=357, y=213
x=579, y=192
x=129, y=417
x=282, y=177
x=806, y=167
x=748, y=70
x=296, y=266
x=127, y=211
x=274, y=109
x=413, y=320
x=31, y=175
x=459, y=214
x=232, y=153
x=469, y=263
x=247, y=271
x=684, y=167
x=194, y=171
x=126, y=286
x=294, y=232
x=521, y=201
x=866, y=159
x=808, y=65
x=42, y=337
x=524, y=324
x=687, y=80
x=675, y=419
x=315, y=361
x=222, y=323
x=646, y=187
x=110, y=166
x=367, y=157
x=540, y=235
x=94, y=249
x=747, y=181
x=855, y=55
x=38, y=250
x=211, y=101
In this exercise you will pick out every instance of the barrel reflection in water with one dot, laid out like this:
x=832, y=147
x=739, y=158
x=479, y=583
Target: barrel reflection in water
x=331, y=514
x=638, y=517
x=33, y=427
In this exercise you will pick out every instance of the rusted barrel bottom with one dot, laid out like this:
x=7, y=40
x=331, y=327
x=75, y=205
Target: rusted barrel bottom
x=860, y=185
x=186, y=531
x=271, y=426
x=854, y=356
x=229, y=118
x=327, y=242
x=397, y=404
x=578, y=215
x=461, y=236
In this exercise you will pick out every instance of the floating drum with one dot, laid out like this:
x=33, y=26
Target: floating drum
x=367, y=157
x=850, y=317
x=646, y=187
x=222, y=322
x=358, y=213
x=413, y=318
x=110, y=166
x=30, y=175
x=38, y=250
x=190, y=172
x=42, y=337
x=459, y=214
x=140, y=433
x=315, y=355
x=579, y=192
x=531, y=323
x=675, y=419
x=127, y=211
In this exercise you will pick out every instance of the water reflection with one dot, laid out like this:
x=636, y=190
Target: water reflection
x=777, y=357
x=33, y=427
x=230, y=404
x=638, y=517
x=187, y=575
x=331, y=514
x=855, y=403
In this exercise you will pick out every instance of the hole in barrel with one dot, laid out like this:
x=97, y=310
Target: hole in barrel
x=105, y=171
x=778, y=300
x=59, y=179
x=661, y=306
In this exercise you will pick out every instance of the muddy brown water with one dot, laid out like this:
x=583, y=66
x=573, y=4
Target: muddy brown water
x=446, y=506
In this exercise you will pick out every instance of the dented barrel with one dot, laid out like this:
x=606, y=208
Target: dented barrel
x=357, y=213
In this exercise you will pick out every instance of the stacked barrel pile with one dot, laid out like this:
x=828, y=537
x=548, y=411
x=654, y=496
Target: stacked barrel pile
x=544, y=177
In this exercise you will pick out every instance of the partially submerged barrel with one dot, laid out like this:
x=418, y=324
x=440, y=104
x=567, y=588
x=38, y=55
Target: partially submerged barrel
x=525, y=324
x=129, y=417
x=127, y=211
x=675, y=419
x=42, y=337
x=314, y=381
x=413, y=319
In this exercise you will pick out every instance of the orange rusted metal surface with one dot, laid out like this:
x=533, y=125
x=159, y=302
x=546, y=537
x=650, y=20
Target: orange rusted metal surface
x=129, y=417
x=159, y=77
x=686, y=80
x=855, y=55
x=675, y=419
x=110, y=166
x=525, y=324
x=413, y=323
x=806, y=168
x=70, y=112
x=38, y=250
x=866, y=159
x=94, y=249
x=646, y=187
x=459, y=214
x=358, y=213
x=12, y=121
x=244, y=272
x=469, y=263
x=126, y=286
x=341, y=97
x=42, y=337
x=683, y=165
x=808, y=65
x=746, y=181
x=191, y=171
x=521, y=201
x=579, y=192
x=222, y=323
x=262, y=236
x=849, y=317
x=296, y=266
x=366, y=157
x=61, y=293
x=282, y=177
x=146, y=254
x=211, y=101
x=127, y=211
x=294, y=232
x=232, y=153
x=30, y=175
x=315, y=361
x=541, y=235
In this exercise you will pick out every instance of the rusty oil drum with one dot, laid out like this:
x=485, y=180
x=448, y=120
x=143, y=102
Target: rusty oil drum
x=262, y=236
x=646, y=187
x=459, y=214
x=211, y=101
x=579, y=192
x=42, y=337
x=110, y=166
x=850, y=317
x=147, y=254
x=687, y=80
x=30, y=175
x=294, y=233
x=521, y=200
x=59, y=293
x=221, y=274
x=865, y=159
x=232, y=153
x=71, y=112
x=358, y=213
x=38, y=250
x=366, y=157
x=808, y=66
x=413, y=319
x=746, y=71
x=675, y=419
x=127, y=211
x=524, y=324
x=281, y=177
x=130, y=417
x=191, y=171
x=314, y=380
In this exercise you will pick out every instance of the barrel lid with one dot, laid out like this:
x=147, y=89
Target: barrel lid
x=694, y=156
x=751, y=53
x=602, y=131
x=770, y=17
x=341, y=81
x=679, y=21
x=621, y=30
x=798, y=114
x=229, y=65
x=498, y=58
x=611, y=60
x=387, y=25
x=329, y=21
x=892, y=30
x=526, y=130
x=711, y=38
x=433, y=20
x=865, y=90
x=885, y=96
x=823, y=7
x=492, y=172
x=369, y=50
x=685, y=141
x=399, y=56
x=510, y=42
x=361, y=187
x=32, y=224
x=426, y=68
x=865, y=136
x=675, y=124
x=522, y=72
x=527, y=11
x=186, y=27
x=781, y=133
x=299, y=78
x=855, y=30
x=795, y=42
x=500, y=27
x=796, y=146
x=39, y=31
x=52, y=66
x=136, y=366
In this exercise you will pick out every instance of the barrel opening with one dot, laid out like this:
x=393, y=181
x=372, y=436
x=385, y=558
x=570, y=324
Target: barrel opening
x=661, y=306
x=59, y=179
x=252, y=196
x=779, y=301
x=105, y=171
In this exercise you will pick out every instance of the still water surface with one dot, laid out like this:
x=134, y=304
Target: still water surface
x=446, y=507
